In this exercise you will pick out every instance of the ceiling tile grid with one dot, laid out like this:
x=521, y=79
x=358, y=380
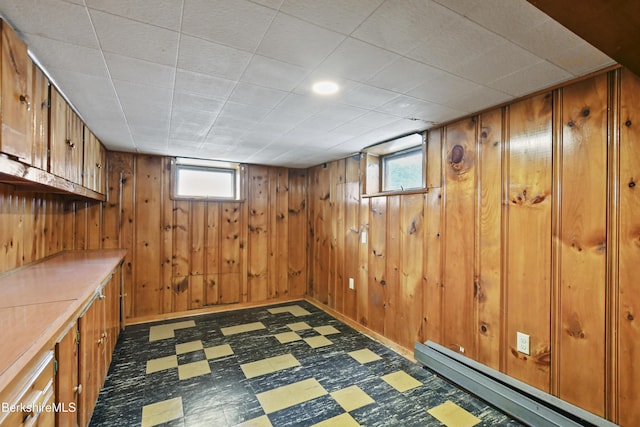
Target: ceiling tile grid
x=231, y=80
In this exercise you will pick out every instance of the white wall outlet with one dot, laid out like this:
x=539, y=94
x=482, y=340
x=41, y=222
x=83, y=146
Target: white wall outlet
x=522, y=343
x=363, y=236
x=352, y=283
x=461, y=349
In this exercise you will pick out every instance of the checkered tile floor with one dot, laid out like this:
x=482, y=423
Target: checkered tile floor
x=286, y=365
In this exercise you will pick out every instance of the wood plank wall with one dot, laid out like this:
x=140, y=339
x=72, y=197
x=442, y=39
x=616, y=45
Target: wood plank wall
x=530, y=223
x=185, y=255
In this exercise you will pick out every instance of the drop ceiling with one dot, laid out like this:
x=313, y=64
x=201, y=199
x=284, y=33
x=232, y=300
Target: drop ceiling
x=231, y=79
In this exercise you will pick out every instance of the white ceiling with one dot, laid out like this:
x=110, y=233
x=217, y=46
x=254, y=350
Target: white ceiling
x=230, y=79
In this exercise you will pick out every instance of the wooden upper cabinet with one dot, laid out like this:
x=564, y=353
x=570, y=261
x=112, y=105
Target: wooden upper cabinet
x=16, y=96
x=40, y=120
x=66, y=132
x=94, y=163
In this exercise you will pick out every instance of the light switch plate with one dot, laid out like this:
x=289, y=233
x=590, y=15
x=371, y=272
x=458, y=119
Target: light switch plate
x=522, y=343
x=352, y=283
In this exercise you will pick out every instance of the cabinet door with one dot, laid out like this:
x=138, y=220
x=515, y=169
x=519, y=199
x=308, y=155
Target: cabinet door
x=75, y=156
x=67, y=387
x=94, y=158
x=58, y=134
x=87, y=364
x=40, y=120
x=16, y=96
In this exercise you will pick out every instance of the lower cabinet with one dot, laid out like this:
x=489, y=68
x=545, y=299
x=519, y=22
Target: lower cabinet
x=84, y=355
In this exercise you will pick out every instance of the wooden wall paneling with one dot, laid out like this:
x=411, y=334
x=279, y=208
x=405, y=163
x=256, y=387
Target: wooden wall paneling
x=197, y=233
x=528, y=250
x=29, y=233
x=489, y=274
x=409, y=302
x=281, y=233
x=167, y=231
x=352, y=235
x=459, y=232
x=322, y=235
x=38, y=214
x=181, y=255
x=362, y=279
x=69, y=224
x=297, y=233
x=393, y=311
x=230, y=253
x=212, y=254
x=338, y=231
x=124, y=176
x=80, y=228
x=433, y=290
x=312, y=185
x=628, y=369
x=377, y=263
x=258, y=219
x=111, y=206
x=272, y=236
x=583, y=244
x=147, y=261
x=94, y=225
x=13, y=232
x=40, y=120
x=434, y=158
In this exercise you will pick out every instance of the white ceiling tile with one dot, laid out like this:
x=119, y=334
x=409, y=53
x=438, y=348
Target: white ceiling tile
x=500, y=61
x=54, y=19
x=67, y=57
x=332, y=117
x=203, y=84
x=442, y=88
x=304, y=104
x=135, y=39
x=407, y=107
x=298, y=42
x=367, y=97
x=162, y=13
x=273, y=4
x=356, y=60
x=145, y=103
x=273, y=74
x=139, y=71
x=508, y=18
x=477, y=99
x=404, y=74
x=460, y=6
x=243, y=112
x=528, y=80
x=238, y=23
x=257, y=95
x=400, y=25
x=337, y=15
x=582, y=59
x=446, y=49
x=211, y=58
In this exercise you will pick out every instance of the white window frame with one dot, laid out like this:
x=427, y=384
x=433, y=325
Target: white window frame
x=179, y=164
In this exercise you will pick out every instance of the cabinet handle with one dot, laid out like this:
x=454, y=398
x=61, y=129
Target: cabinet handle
x=24, y=99
x=71, y=143
x=78, y=389
x=102, y=296
x=99, y=165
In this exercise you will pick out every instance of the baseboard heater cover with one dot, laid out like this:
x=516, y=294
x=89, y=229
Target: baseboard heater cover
x=515, y=398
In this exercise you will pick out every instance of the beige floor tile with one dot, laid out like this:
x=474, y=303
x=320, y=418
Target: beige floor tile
x=161, y=332
x=326, y=330
x=162, y=412
x=290, y=395
x=162, y=363
x=319, y=341
x=298, y=326
x=262, y=421
x=287, y=337
x=194, y=369
x=232, y=330
x=364, y=356
x=401, y=381
x=218, y=351
x=269, y=365
x=351, y=398
x=188, y=347
x=342, y=420
x=295, y=310
x=452, y=415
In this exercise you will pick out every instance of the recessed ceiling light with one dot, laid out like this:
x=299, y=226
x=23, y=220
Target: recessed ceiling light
x=325, y=87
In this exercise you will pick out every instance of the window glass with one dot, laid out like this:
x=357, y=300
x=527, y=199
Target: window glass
x=205, y=182
x=403, y=170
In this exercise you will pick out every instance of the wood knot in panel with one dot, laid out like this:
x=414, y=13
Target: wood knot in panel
x=457, y=156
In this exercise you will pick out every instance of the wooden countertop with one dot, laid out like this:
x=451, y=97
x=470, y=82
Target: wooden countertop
x=38, y=301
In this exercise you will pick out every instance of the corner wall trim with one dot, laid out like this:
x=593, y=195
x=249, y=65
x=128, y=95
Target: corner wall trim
x=515, y=398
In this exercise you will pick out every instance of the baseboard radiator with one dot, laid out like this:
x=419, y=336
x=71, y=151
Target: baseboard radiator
x=515, y=398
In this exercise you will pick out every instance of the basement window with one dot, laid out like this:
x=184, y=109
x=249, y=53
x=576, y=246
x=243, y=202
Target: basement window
x=205, y=179
x=395, y=166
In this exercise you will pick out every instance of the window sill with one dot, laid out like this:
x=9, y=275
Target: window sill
x=397, y=192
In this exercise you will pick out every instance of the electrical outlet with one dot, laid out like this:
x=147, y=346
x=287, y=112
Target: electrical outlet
x=522, y=343
x=363, y=236
x=352, y=283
